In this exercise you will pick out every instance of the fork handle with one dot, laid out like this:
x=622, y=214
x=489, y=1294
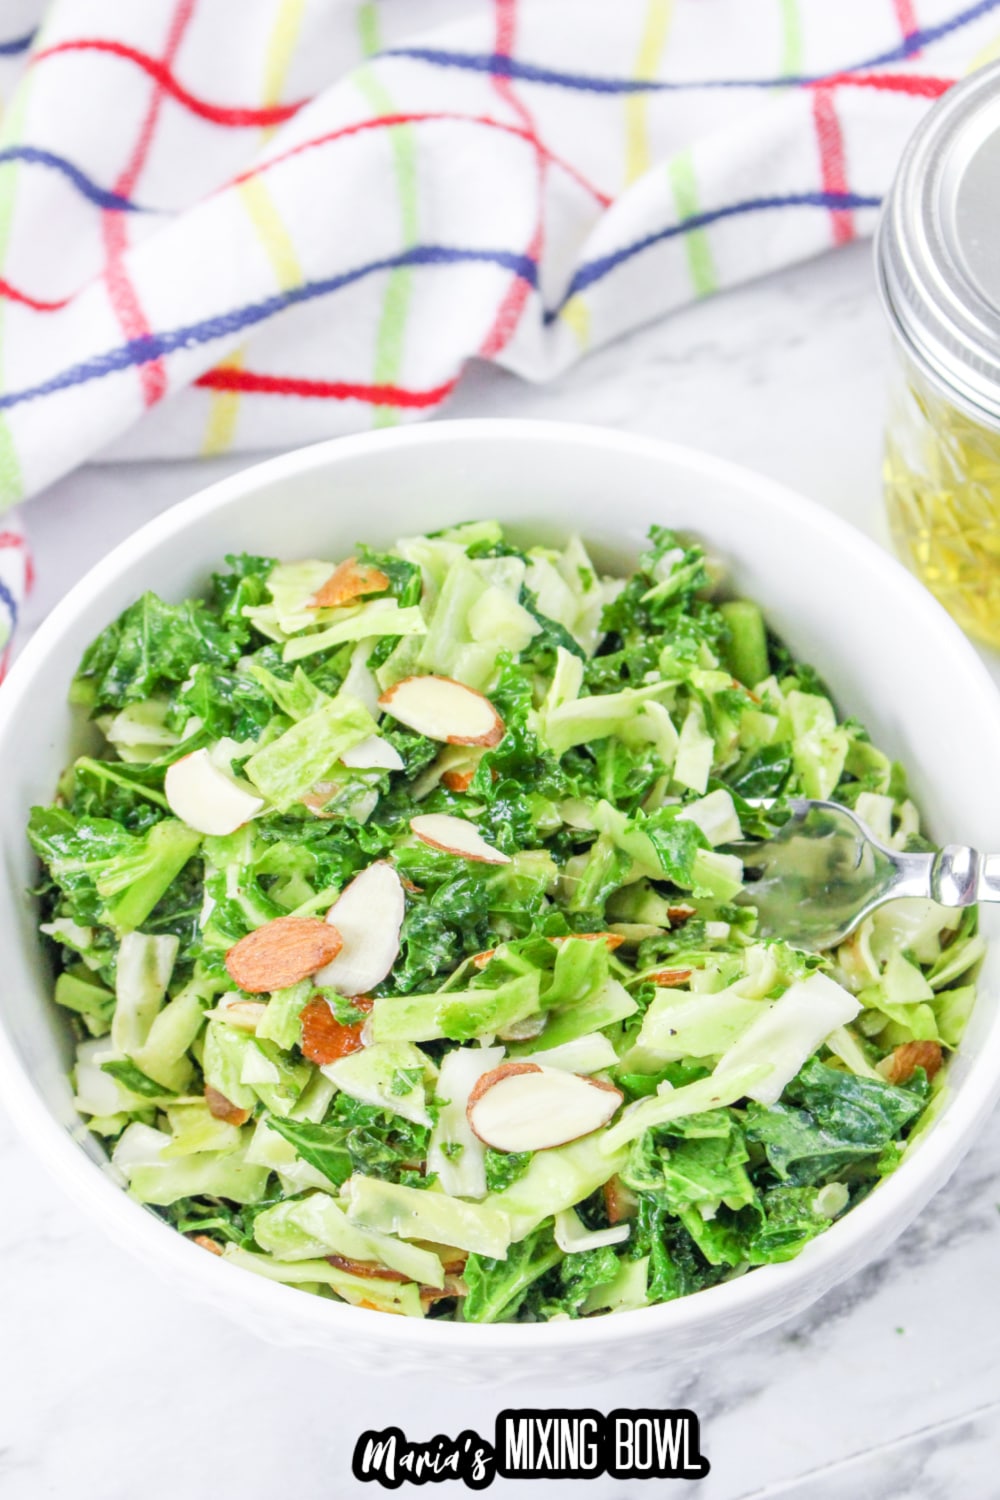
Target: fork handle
x=954, y=876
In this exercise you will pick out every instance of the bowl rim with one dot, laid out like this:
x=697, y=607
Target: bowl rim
x=877, y=1217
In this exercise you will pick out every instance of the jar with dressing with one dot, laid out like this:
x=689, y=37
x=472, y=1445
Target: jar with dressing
x=938, y=265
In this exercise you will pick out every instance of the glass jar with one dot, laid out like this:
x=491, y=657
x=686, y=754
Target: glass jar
x=938, y=264
x=941, y=472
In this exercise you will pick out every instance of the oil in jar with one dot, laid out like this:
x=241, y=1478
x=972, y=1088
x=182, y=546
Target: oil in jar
x=942, y=490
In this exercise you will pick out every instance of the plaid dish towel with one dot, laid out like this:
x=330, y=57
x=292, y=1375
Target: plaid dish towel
x=255, y=223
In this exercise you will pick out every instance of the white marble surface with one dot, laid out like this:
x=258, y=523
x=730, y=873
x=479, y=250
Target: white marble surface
x=889, y=1389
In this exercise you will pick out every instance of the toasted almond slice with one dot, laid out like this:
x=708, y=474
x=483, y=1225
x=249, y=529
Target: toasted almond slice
x=613, y=939
x=365, y=1268
x=482, y=959
x=318, y=796
x=449, y=758
x=669, y=979
x=206, y=1243
x=619, y=1202
x=373, y=754
x=457, y=781
x=903, y=1062
x=221, y=1108
x=205, y=798
x=350, y=581
x=368, y=914
x=454, y=1286
x=456, y=836
x=445, y=710
x=522, y=1107
x=680, y=914
x=325, y=1039
x=486, y=1081
x=281, y=953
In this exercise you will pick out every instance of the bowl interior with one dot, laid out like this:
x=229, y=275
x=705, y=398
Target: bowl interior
x=890, y=655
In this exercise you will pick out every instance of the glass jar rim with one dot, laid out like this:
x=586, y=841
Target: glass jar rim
x=935, y=277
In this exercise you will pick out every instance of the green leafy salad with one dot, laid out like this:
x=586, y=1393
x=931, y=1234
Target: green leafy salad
x=401, y=924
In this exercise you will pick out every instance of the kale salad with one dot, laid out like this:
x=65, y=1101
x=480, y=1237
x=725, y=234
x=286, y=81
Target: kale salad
x=401, y=923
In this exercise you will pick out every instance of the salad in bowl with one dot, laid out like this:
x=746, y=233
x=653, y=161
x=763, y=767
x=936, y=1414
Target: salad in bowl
x=402, y=925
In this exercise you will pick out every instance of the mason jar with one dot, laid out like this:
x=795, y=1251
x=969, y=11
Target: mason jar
x=937, y=256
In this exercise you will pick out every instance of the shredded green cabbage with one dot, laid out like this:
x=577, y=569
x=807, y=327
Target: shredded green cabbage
x=327, y=1140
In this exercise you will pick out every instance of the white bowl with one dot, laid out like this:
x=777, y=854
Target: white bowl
x=890, y=653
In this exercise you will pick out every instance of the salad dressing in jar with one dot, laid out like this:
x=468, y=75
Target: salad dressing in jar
x=938, y=265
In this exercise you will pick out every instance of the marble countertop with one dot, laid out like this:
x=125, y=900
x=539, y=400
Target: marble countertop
x=888, y=1389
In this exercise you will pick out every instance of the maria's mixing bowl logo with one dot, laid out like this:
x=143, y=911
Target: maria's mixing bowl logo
x=536, y=1444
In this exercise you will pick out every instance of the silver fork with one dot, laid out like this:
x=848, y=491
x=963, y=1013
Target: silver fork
x=824, y=871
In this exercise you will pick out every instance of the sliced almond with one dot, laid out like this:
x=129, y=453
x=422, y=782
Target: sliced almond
x=522, y=1107
x=613, y=939
x=221, y=1108
x=443, y=709
x=319, y=795
x=365, y=1268
x=903, y=1062
x=680, y=914
x=350, y=581
x=454, y=1286
x=486, y=1081
x=456, y=1262
x=482, y=959
x=456, y=836
x=281, y=953
x=373, y=754
x=368, y=914
x=206, y=1243
x=450, y=758
x=325, y=1039
x=618, y=1201
x=669, y=979
x=457, y=781
x=205, y=798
